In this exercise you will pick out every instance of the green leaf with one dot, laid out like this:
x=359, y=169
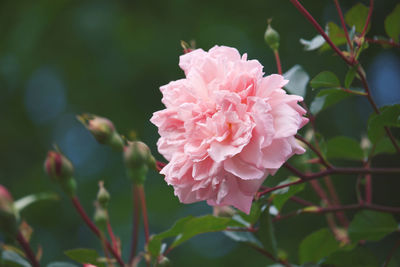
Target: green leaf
x=384, y=145
x=313, y=44
x=371, y=225
x=317, y=245
x=12, y=259
x=266, y=232
x=84, y=255
x=336, y=34
x=390, y=116
x=342, y=147
x=350, y=75
x=298, y=80
x=357, y=16
x=326, y=98
x=188, y=227
x=325, y=79
x=280, y=196
x=61, y=264
x=359, y=257
x=255, y=212
x=392, y=24
x=26, y=201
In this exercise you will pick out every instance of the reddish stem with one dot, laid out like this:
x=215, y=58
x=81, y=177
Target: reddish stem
x=371, y=8
x=316, y=151
x=346, y=33
x=136, y=217
x=142, y=198
x=278, y=61
x=335, y=201
x=94, y=228
x=112, y=236
x=382, y=42
x=310, y=18
x=269, y=255
x=27, y=249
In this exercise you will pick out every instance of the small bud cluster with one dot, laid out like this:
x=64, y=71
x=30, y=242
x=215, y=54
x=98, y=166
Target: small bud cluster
x=101, y=213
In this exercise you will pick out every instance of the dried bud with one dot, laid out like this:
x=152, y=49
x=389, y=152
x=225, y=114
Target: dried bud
x=8, y=219
x=103, y=197
x=58, y=167
x=223, y=211
x=100, y=217
x=138, y=159
x=61, y=170
x=271, y=37
x=103, y=130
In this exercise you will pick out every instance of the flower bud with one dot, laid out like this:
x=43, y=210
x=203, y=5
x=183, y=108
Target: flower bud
x=61, y=170
x=138, y=159
x=8, y=219
x=103, y=130
x=103, y=197
x=100, y=217
x=271, y=37
x=57, y=166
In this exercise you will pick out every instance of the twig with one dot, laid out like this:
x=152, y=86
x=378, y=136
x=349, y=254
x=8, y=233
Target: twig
x=278, y=62
x=27, y=249
x=316, y=151
x=346, y=33
x=371, y=8
x=135, y=227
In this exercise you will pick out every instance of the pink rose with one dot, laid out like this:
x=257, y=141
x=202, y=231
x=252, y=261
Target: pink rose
x=225, y=127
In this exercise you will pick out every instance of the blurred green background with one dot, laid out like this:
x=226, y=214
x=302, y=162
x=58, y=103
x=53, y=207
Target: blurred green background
x=62, y=58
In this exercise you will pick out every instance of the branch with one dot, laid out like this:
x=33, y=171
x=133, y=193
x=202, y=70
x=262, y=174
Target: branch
x=316, y=151
x=346, y=33
x=382, y=42
x=371, y=8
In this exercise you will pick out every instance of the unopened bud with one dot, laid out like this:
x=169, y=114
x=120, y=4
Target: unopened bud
x=163, y=262
x=103, y=130
x=103, y=197
x=271, y=37
x=57, y=166
x=61, y=170
x=8, y=219
x=100, y=217
x=138, y=159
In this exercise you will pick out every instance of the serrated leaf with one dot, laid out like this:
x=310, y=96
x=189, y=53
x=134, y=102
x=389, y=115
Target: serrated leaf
x=336, y=34
x=350, y=75
x=61, y=264
x=326, y=98
x=313, y=44
x=371, y=225
x=317, y=245
x=390, y=116
x=298, y=80
x=342, y=147
x=12, y=259
x=280, y=196
x=357, y=16
x=188, y=227
x=359, y=257
x=266, y=233
x=325, y=79
x=392, y=24
x=84, y=255
x=26, y=201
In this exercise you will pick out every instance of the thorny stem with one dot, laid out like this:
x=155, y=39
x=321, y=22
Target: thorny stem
x=346, y=33
x=94, y=229
x=27, y=249
x=136, y=217
x=278, y=61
